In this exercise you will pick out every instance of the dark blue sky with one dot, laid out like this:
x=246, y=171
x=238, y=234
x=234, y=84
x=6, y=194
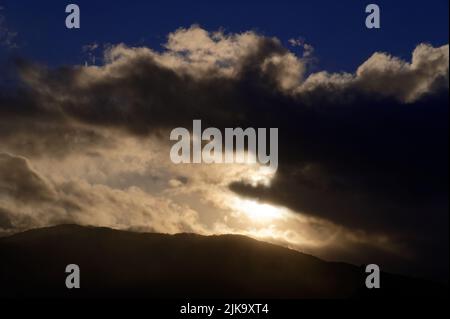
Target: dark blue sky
x=336, y=29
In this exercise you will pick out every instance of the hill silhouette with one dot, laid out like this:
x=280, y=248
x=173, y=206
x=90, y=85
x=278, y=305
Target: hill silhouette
x=126, y=264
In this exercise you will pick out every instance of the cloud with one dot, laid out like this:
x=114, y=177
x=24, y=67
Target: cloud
x=363, y=155
x=7, y=36
x=90, y=47
x=29, y=200
x=214, y=78
x=19, y=181
x=308, y=49
x=89, y=50
x=389, y=76
x=5, y=222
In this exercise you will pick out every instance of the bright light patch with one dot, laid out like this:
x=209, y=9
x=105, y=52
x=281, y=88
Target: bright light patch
x=257, y=212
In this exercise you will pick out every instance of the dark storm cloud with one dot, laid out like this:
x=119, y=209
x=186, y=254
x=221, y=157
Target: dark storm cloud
x=30, y=127
x=377, y=161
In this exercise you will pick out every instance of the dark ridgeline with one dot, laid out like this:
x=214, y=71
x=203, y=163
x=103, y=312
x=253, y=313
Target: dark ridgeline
x=126, y=264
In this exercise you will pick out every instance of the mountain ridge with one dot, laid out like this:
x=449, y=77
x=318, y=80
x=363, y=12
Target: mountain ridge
x=116, y=263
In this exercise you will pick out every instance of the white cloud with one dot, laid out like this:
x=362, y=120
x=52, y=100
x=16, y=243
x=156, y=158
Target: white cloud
x=389, y=76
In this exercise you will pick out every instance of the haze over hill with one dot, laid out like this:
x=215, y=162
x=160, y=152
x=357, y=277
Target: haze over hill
x=126, y=264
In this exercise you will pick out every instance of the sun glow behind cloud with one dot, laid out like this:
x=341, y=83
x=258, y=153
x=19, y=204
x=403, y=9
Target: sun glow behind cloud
x=258, y=213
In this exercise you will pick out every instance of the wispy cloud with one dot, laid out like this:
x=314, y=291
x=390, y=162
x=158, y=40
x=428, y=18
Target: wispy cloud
x=7, y=36
x=89, y=50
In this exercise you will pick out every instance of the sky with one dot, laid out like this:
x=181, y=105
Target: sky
x=335, y=29
x=362, y=115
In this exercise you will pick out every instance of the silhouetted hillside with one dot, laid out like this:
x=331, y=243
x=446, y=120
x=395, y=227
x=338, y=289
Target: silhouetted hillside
x=126, y=264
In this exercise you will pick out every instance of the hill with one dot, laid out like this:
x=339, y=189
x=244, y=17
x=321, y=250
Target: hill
x=126, y=264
